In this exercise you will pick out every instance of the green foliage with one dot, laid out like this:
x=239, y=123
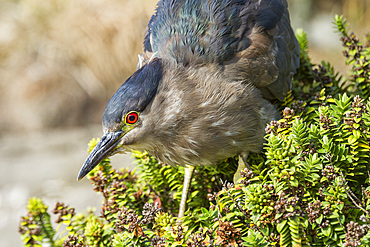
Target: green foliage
x=358, y=56
x=36, y=228
x=310, y=186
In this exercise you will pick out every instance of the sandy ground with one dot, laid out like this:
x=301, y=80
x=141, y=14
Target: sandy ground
x=44, y=164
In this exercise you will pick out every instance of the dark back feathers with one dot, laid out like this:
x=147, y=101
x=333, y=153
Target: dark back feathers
x=250, y=40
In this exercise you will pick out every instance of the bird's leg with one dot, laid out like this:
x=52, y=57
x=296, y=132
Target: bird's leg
x=187, y=179
x=242, y=163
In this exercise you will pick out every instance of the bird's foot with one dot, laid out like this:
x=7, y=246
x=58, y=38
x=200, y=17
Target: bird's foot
x=242, y=164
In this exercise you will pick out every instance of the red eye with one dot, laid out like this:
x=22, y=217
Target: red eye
x=131, y=117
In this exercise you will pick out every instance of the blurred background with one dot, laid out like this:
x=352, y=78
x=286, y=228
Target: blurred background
x=61, y=61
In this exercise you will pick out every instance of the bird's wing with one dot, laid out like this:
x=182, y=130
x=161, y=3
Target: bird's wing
x=251, y=40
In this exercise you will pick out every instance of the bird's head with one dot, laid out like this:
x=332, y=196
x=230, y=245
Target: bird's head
x=123, y=114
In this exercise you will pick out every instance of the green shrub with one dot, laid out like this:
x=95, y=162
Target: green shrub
x=310, y=186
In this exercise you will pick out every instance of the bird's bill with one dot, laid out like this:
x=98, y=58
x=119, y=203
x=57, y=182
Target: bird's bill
x=102, y=150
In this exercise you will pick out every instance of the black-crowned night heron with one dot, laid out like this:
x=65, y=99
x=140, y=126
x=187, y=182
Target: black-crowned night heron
x=203, y=86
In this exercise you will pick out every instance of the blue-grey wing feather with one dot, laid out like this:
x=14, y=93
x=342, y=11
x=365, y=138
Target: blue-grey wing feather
x=250, y=40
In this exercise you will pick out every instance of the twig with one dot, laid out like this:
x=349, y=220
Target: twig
x=232, y=198
x=349, y=192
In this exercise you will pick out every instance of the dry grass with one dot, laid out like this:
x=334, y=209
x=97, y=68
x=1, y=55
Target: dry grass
x=61, y=60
